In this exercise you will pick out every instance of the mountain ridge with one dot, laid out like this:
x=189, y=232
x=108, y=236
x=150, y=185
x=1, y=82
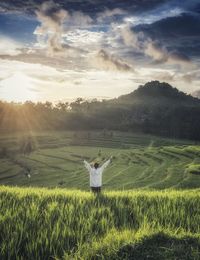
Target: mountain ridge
x=156, y=89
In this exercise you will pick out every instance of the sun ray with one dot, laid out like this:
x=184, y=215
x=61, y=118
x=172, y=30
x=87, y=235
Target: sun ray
x=18, y=88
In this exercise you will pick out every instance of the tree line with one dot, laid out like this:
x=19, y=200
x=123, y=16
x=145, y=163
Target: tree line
x=154, y=108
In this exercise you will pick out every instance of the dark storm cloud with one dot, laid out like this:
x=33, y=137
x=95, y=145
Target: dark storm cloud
x=152, y=48
x=88, y=6
x=182, y=25
x=180, y=34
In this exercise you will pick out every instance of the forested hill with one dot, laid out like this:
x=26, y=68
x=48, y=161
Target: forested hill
x=155, y=91
x=154, y=108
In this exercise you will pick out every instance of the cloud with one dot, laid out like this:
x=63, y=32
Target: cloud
x=73, y=58
x=110, y=62
x=55, y=23
x=109, y=14
x=82, y=38
x=163, y=76
x=9, y=46
x=151, y=48
x=67, y=60
x=153, y=16
x=191, y=76
x=79, y=19
x=196, y=93
x=180, y=33
x=52, y=19
x=130, y=38
x=160, y=54
x=91, y=7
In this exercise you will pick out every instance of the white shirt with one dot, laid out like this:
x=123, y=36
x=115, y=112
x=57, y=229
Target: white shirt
x=96, y=174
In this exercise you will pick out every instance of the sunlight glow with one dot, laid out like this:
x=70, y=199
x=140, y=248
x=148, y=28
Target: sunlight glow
x=17, y=88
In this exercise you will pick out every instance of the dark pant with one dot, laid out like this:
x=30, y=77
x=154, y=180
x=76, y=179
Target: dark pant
x=96, y=189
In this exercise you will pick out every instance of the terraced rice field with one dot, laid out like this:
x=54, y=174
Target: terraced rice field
x=71, y=223
x=139, y=161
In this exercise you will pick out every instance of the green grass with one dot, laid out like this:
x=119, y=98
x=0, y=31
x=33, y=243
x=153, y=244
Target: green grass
x=140, y=161
x=47, y=224
x=193, y=168
x=149, y=209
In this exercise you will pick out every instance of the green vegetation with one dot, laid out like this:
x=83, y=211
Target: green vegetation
x=194, y=168
x=43, y=224
x=144, y=223
x=154, y=108
x=55, y=159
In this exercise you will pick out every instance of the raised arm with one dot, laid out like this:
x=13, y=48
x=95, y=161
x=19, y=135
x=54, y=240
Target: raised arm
x=106, y=164
x=87, y=165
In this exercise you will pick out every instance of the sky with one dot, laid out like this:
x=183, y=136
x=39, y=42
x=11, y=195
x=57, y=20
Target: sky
x=65, y=49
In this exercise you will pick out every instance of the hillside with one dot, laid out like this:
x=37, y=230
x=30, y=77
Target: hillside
x=159, y=92
x=139, y=161
x=155, y=108
x=43, y=224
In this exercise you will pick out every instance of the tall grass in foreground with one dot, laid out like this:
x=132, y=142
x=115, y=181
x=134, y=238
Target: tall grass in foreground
x=47, y=224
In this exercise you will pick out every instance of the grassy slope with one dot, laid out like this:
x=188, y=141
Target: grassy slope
x=39, y=223
x=140, y=161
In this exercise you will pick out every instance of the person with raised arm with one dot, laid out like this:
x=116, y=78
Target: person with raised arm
x=95, y=172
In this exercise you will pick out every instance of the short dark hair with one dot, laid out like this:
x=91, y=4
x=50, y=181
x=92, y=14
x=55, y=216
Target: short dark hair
x=96, y=165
